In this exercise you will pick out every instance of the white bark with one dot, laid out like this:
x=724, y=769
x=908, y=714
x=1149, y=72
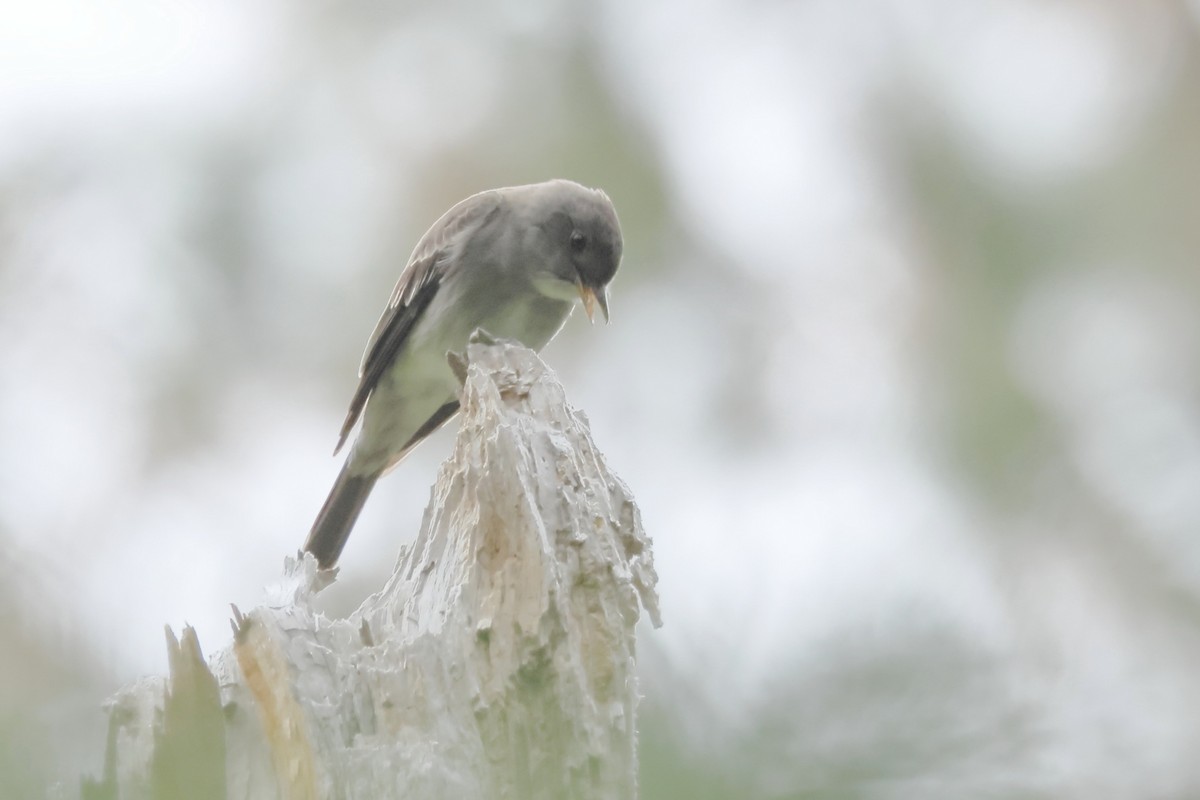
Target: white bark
x=497, y=662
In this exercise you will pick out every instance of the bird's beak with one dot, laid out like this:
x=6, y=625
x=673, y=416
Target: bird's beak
x=591, y=298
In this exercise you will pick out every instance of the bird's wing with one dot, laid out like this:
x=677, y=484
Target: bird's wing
x=414, y=290
x=435, y=421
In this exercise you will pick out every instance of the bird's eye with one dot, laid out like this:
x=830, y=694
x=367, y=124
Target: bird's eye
x=578, y=241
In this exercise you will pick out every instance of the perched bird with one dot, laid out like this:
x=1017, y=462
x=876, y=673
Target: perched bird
x=510, y=261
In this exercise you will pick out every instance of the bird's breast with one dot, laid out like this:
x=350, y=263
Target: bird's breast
x=525, y=315
x=420, y=381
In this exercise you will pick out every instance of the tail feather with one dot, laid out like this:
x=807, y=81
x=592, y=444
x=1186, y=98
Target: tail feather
x=337, y=517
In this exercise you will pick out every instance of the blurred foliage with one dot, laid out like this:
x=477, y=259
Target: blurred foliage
x=907, y=320
x=44, y=675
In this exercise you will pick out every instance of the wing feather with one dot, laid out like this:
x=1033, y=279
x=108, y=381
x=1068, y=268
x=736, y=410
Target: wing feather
x=418, y=283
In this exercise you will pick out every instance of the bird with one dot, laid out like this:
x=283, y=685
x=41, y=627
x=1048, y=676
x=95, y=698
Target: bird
x=512, y=261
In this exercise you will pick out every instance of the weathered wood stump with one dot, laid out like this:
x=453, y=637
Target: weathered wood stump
x=497, y=662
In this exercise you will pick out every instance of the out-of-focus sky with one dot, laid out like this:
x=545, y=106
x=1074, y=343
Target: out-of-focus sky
x=904, y=366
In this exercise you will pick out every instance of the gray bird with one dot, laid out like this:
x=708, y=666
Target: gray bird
x=511, y=261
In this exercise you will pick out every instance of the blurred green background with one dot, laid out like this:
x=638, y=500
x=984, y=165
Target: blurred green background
x=904, y=365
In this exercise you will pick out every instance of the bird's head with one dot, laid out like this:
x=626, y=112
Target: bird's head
x=580, y=239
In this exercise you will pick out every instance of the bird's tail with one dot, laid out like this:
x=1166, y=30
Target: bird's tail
x=333, y=525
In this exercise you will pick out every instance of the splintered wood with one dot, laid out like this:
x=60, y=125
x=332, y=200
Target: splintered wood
x=499, y=660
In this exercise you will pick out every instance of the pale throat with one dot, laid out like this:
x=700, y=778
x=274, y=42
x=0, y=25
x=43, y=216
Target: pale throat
x=556, y=288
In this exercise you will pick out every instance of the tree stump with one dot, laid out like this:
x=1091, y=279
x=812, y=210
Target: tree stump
x=498, y=661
